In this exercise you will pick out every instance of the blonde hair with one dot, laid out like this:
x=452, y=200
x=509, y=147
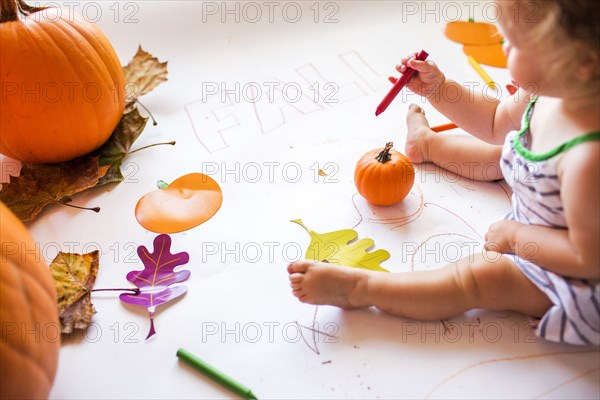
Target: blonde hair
x=568, y=31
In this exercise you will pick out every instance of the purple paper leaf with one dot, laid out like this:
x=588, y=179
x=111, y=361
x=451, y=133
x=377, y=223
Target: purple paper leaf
x=155, y=279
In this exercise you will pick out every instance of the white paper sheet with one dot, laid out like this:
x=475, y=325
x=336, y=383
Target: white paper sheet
x=239, y=314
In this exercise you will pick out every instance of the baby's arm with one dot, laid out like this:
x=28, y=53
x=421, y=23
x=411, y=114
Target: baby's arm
x=573, y=252
x=485, y=118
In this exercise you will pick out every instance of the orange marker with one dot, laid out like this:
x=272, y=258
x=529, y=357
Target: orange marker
x=444, y=127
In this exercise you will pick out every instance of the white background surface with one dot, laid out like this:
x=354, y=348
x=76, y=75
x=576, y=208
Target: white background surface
x=239, y=314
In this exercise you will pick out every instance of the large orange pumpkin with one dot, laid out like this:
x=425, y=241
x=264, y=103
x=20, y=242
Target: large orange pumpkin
x=28, y=314
x=63, y=88
x=384, y=176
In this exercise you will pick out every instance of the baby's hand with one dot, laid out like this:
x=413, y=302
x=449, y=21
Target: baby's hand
x=428, y=79
x=501, y=237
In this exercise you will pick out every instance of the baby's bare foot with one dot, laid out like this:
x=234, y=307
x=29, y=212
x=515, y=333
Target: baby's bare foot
x=416, y=147
x=321, y=283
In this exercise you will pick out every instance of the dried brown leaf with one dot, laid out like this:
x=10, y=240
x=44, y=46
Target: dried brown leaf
x=74, y=277
x=117, y=147
x=143, y=73
x=41, y=184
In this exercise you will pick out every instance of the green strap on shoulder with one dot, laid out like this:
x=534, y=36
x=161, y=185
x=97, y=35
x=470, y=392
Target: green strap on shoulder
x=592, y=136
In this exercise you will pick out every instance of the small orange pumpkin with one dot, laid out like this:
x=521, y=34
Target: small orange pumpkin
x=384, y=176
x=63, y=87
x=28, y=314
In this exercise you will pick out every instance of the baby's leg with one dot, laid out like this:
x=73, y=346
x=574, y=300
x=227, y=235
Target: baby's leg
x=466, y=156
x=427, y=295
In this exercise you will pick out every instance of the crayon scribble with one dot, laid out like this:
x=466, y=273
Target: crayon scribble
x=314, y=346
x=455, y=215
x=225, y=115
x=565, y=383
x=404, y=219
x=414, y=254
x=512, y=359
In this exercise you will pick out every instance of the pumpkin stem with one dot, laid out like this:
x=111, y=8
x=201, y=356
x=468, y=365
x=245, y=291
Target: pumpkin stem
x=384, y=156
x=10, y=10
x=152, y=145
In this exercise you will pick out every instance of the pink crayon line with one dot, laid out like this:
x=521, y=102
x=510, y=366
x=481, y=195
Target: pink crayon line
x=402, y=81
x=502, y=360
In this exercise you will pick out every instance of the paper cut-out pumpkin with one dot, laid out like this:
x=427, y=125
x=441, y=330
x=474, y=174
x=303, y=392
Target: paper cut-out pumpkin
x=480, y=40
x=28, y=314
x=187, y=202
x=473, y=33
x=491, y=55
x=384, y=176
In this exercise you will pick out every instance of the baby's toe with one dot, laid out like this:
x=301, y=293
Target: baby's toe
x=415, y=119
x=415, y=111
x=299, y=267
x=296, y=277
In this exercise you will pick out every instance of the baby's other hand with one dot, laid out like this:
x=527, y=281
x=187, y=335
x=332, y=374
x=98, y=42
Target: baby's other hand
x=428, y=79
x=500, y=236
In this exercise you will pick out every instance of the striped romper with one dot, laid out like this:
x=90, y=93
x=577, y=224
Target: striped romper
x=575, y=314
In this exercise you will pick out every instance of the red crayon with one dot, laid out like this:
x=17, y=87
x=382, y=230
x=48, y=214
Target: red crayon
x=402, y=81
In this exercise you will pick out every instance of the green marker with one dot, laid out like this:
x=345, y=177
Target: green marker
x=214, y=374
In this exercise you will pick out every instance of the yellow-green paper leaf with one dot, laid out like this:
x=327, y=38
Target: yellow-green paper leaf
x=340, y=248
